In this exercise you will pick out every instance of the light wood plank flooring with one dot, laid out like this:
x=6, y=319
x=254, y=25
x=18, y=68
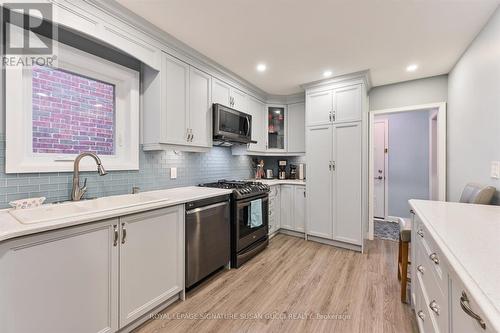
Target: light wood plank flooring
x=295, y=278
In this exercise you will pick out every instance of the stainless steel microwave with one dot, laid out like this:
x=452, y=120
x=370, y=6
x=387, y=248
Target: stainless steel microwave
x=231, y=126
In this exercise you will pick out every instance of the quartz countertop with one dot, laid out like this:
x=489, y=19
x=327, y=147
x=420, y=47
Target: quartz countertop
x=469, y=237
x=276, y=181
x=10, y=227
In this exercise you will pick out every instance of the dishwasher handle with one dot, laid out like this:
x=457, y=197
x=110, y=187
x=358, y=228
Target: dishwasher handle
x=201, y=209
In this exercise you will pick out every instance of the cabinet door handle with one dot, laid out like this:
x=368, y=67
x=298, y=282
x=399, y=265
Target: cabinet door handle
x=330, y=116
x=434, y=307
x=115, y=235
x=124, y=233
x=330, y=165
x=333, y=165
x=333, y=116
x=421, y=269
x=433, y=256
x=421, y=315
x=464, y=303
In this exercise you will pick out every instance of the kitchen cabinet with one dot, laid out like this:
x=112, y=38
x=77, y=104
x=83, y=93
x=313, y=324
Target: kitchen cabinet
x=276, y=128
x=227, y=95
x=177, y=104
x=336, y=105
x=274, y=209
x=97, y=277
x=151, y=260
x=295, y=136
x=257, y=110
x=64, y=281
x=292, y=201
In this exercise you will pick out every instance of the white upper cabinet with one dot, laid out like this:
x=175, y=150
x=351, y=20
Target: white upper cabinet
x=296, y=128
x=176, y=100
x=319, y=108
x=221, y=92
x=200, y=107
x=347, y=104
x=239, y=100
x=257, y=110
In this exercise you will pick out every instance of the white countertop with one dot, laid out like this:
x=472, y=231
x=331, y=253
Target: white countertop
x=10, y=227
x=469, y=237
x=276, y=181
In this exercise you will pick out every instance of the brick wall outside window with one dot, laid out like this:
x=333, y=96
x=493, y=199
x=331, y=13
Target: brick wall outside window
x=71, y=113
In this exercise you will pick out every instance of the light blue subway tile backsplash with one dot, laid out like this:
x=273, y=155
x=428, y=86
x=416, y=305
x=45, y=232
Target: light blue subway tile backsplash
x=153, y=174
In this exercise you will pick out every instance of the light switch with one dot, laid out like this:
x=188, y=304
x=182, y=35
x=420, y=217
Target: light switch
x=495, y=169
x=173, y=173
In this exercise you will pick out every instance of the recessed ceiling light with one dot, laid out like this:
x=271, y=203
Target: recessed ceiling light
x=261, y=67
x=327, y=73
x=412, y=68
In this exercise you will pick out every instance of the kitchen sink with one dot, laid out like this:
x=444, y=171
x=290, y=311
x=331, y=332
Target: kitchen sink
x=53, y=212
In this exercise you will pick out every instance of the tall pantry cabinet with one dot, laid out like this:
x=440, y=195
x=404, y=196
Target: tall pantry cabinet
x=336, y=141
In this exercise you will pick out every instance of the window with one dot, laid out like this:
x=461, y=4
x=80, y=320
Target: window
x=83, y=104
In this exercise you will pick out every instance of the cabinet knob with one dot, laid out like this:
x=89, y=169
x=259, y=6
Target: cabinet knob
x=421, y=315
x=421, y=269
x=434, y=307
x=420, y=233
x=433, y=256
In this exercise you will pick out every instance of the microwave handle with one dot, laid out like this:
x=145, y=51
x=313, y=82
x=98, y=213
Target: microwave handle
x=248, y=126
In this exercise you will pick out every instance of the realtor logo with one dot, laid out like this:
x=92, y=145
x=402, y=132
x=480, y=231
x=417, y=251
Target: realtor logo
x=28, y=34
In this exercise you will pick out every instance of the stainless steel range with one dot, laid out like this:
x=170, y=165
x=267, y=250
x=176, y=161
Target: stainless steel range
x=249, y=218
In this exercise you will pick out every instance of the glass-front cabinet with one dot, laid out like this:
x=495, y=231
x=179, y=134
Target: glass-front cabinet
x=276, y=127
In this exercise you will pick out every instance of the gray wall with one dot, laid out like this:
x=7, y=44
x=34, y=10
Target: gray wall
x=474, y=112
x=423, y=91
x=408, y=160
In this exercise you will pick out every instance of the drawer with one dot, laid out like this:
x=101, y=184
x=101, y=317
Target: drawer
x=424, y=319
x=437, y=299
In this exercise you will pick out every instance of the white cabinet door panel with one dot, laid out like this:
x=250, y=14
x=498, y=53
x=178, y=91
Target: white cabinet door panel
x=221, y=92
x=296, y=128
x=62, y=281
x=200, y=107
x=176, y=100
x=286, y=203
x=348, y=104
x=240, y=100
x=319, y=107
x=299, y=208
x=319, y=181
x=347, y=155
x=257, y=110
x=151, y=260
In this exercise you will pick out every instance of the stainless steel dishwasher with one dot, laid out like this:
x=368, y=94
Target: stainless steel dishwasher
x=208, y=237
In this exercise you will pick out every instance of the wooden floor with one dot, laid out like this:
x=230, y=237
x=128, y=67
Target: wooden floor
x=297, y=286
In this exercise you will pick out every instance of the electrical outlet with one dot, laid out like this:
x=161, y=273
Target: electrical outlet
x=173, y=173
x=495, y=169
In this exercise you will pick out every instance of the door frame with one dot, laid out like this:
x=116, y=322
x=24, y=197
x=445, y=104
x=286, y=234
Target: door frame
x=433, y=116
x=385, y=120
x=441, y=153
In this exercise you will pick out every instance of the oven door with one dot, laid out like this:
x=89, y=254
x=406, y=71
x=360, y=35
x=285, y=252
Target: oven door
x=246, y=232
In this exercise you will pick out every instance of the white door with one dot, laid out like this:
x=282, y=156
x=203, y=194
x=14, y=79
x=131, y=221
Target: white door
x=221, y=93
x=319, y=108
x=240, y=100
x=286, y=202
x=299, y=208
x=347, y=174
x=257, y=109
x=296, y=128
x=348, y=106
x=61, y=281
x=319, y=181
x=200, y=107
x=380, y=146
x=176, y=99
x=151, y=260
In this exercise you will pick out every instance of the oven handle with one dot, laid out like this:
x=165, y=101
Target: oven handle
x=244, y=203
x=197, y=210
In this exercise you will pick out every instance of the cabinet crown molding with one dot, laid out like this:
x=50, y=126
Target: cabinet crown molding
x=363, y=76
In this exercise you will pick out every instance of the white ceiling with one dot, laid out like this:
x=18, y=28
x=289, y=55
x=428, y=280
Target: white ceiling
x=300, y=39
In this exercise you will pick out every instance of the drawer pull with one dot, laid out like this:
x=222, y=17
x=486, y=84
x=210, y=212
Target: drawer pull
x=421, y=269
x=420, y=233
x=464, y=303
x=421, y=315
x=115, y=235
x=433, y=256
x=434, y=307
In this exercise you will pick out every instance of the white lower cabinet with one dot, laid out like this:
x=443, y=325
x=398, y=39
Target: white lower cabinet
x=97, y=277
x=274, y=209
x=151, y=260
x=61, y=281
x=293, y=206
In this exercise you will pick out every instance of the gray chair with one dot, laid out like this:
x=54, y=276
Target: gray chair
x=477, y=194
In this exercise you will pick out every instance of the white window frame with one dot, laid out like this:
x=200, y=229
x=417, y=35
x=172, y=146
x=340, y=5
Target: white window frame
x=18, y=100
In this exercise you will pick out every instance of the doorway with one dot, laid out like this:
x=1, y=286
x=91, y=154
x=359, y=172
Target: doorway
x=407, y=155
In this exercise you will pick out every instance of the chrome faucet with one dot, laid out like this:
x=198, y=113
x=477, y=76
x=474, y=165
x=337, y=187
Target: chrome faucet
x=78, y=192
